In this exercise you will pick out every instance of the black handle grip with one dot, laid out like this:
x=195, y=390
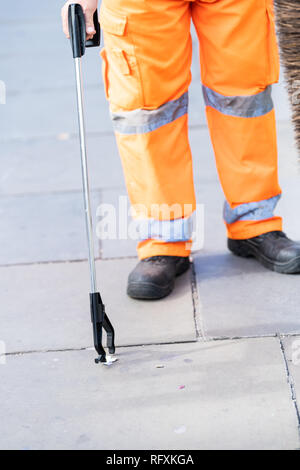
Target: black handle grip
x=77, y=30
x=95, y=41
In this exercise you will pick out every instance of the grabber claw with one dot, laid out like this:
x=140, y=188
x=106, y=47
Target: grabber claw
x=100, y=320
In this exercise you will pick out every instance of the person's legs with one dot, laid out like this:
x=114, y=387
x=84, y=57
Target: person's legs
x=239, y=62
x=146, y=67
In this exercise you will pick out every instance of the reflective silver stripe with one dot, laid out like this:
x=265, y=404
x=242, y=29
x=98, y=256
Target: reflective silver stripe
x=260, y=210
x=176, y=230
x=141, y=121
x=240, y=106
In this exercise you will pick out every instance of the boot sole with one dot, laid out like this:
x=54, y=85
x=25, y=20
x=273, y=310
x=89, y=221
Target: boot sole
x=148, y=291
x=247, y=251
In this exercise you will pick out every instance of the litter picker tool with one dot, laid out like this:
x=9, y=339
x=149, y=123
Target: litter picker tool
x=100, y=320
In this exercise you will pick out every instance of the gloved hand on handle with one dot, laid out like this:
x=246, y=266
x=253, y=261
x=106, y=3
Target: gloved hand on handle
x=89, y=7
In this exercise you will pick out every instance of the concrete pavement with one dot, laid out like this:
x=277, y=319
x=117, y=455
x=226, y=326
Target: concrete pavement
x=214, y=366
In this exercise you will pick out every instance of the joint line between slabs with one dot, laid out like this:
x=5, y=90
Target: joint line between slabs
x=290, y=380
x=144, y=345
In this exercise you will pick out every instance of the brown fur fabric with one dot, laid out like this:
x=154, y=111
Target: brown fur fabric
x=288, y=26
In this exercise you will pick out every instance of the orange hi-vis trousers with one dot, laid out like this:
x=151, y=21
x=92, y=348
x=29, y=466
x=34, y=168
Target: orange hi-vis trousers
x=146, y=68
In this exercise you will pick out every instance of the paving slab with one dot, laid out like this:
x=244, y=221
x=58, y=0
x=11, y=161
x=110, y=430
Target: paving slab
x=238, y=297
x=236, y=396
x=126, y=239
x=32, y=11
x=44, y=227
x=52, y=112
x=46, y=306
x=203, y=157
x=281, y=101
x=50, y=34
x=53, y=165
x=287, y=150
x=25, y=174
x=40, y=73
x=291, y=345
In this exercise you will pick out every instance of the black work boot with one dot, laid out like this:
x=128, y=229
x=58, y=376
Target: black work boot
x=154, y=278
x=274, y=250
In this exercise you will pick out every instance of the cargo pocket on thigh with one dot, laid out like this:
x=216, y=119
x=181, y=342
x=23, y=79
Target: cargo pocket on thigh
x=120, y=67
x=272, y=46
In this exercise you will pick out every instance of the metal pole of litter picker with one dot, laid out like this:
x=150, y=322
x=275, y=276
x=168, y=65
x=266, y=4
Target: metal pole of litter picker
x=85, y=176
